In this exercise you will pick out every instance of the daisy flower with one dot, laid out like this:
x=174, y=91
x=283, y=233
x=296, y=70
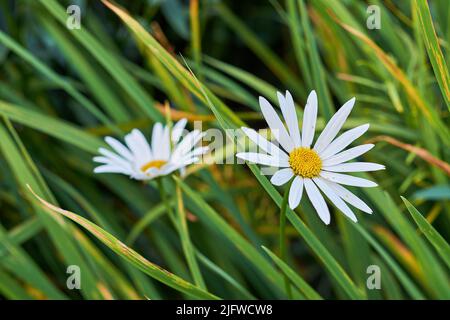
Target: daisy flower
x=141, y=161
x=316, y=168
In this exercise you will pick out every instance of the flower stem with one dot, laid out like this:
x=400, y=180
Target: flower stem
x=180, y=224
x=186, y=241
x=283, y=240
x=162, y=193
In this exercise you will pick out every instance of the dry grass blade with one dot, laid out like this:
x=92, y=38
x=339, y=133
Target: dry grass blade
x=420, y=152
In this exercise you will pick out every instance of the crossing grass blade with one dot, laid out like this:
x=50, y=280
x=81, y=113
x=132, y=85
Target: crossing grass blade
x=56, y=227
x=432, y=235
x=260, y=49
x=108, y=61
x=127, y=253
x=433, y=48
x=322, y=253
x=253, y=256
x=299, y=282
x=53, y=127
x=18, y=262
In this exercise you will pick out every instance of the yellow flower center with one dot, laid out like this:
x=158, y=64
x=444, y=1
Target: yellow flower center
x=153, y=164
x=305, y=162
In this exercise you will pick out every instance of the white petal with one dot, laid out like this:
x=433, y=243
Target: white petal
x=349, y=197
x=169, y=168
x=197, y=152
x=295, y=193
x=346, y=155
x=334, y=198
x=333, y=126
x=152, y=172
x=115, y=159
x=135, y=148
x=186, y=145
x=178, y=129
x=102, y=160
x=119, y=148
x=185, y=161
x=275, y=124
x=156, y=140
x=111, y=169
x=343, y=141
x=140, y=176
x=165, y=144
x=264, y=144
x=290, y=117
x=282, y=176
x=108, y=161
x=354, y=167
x=309, y=120
x=144, y=147
x=347, y=180
x=317, y=201
x=263, y=159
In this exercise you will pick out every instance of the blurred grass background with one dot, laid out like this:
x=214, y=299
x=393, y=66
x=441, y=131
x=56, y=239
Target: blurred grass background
x=62, y=90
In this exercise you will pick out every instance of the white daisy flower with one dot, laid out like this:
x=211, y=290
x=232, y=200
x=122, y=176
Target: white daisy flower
x=141, y=161
x=313, y=168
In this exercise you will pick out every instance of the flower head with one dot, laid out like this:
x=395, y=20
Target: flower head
x=141, y=161
x=313, y=168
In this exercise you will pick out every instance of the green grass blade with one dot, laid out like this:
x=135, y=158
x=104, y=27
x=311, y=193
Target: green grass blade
x=105, y=95
x=408, y=284
x=11, y=288
x=435, y=281
x=150, y=216
x=224, y=275
x=129, y=254
x=297, y=280
x=260, y=49
x=253, y=256
x=108, y=61
x=433, y=48
x=333, y=267
x=317, y=70
x=186, y=241
x=58, y=229
x=18, y=262
x=51, y=126
x=432, y=235
x=57, y=79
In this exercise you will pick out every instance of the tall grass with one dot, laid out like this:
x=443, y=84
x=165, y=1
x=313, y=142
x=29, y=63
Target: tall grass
x=62, y=90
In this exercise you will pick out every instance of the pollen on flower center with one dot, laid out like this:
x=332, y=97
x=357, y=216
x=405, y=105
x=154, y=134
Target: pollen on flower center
x=153, y=164
x=305, y=162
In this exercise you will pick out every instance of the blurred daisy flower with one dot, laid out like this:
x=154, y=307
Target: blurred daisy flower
x=313, y=168
x=142, y=161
